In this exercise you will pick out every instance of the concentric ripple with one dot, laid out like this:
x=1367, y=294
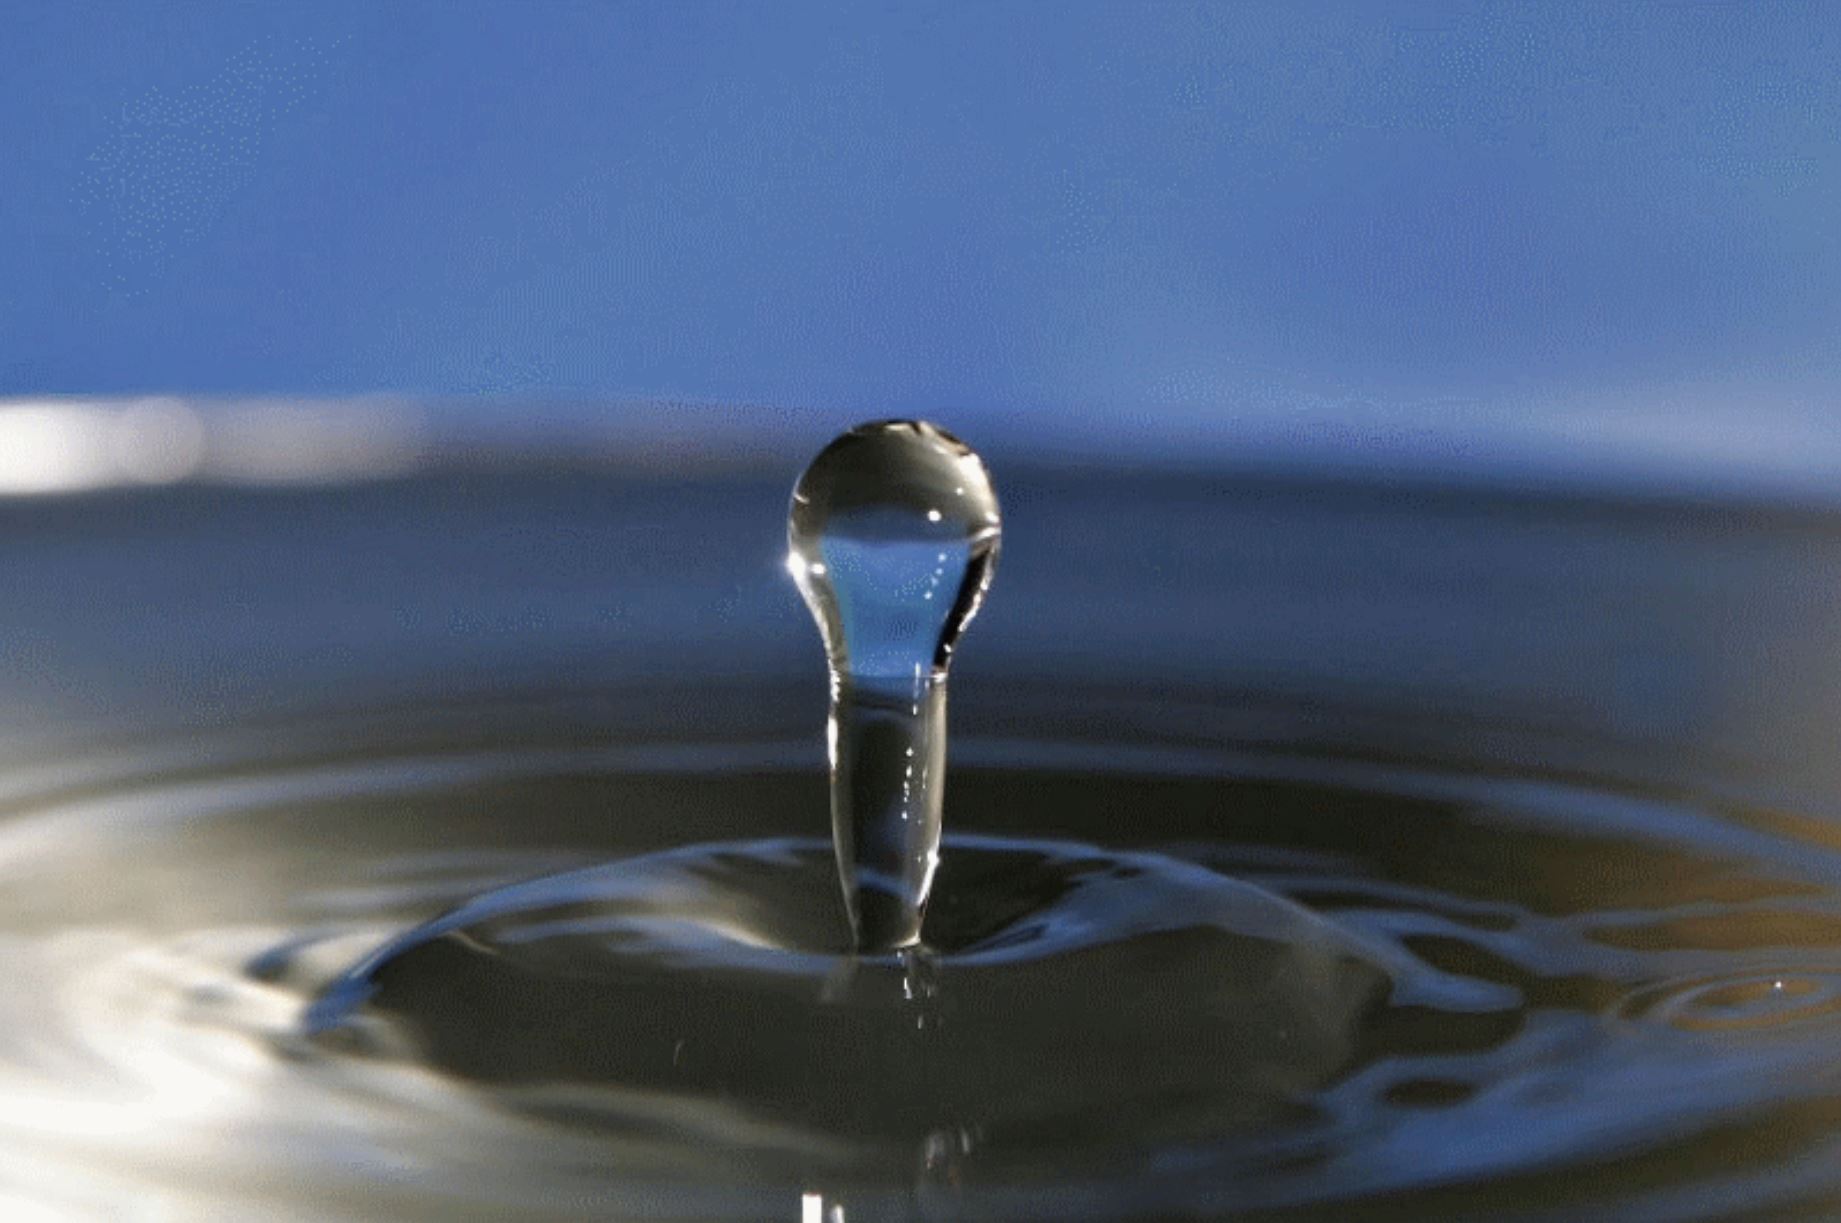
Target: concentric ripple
x=1756, y=1002
x=1060, y=984
x=565, y=979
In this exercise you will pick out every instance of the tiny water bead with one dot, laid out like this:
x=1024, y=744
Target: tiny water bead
x=892, y=536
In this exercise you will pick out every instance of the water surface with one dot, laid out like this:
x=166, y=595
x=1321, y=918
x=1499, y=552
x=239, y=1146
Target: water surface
x=1549, y=776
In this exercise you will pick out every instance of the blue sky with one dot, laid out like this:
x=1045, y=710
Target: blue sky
x=1078, y=210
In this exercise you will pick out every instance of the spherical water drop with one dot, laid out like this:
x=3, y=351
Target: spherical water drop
x=893, y=537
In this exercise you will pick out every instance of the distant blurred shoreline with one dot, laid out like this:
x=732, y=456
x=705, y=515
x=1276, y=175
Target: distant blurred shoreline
x=64, y=445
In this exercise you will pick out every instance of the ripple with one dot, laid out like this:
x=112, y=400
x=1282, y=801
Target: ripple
x=1060, y=983
x=1302, y=993
x=1749, y=1002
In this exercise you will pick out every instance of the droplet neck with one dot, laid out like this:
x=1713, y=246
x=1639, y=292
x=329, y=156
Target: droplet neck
x=888, y=774
x=892, y=536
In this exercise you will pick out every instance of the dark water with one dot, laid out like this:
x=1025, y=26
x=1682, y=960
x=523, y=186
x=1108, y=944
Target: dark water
x=1312, y=852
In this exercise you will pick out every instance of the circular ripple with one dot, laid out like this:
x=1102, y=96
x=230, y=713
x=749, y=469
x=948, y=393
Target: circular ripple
x=1058, y=983
x=1738, y=1003
x=157, y=1053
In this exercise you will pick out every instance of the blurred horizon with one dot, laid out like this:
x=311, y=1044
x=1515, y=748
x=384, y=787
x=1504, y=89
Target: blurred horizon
x=57, y=445
x=1169, y=219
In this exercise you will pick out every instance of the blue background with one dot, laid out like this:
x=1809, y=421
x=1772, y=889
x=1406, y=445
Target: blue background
x=1080, y=209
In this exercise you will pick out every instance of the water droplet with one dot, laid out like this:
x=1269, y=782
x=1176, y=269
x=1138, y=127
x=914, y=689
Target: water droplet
x=870, y=545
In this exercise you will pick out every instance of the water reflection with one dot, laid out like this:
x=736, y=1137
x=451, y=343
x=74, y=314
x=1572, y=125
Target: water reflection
x=1606, y=942
x=1670, y=444
x=67, y=446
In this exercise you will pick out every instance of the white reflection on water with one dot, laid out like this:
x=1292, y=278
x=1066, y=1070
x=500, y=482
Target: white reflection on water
x=1640, y=441
x=80, y=445
x=55, y=448
x=158, y=441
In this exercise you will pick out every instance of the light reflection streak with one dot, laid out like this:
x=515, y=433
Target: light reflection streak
x=57, y=445
x=1644, y=441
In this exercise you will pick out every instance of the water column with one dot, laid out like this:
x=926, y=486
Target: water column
x=893, y=537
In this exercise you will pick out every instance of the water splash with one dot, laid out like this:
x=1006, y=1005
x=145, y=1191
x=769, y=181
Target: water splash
x=893, y=538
